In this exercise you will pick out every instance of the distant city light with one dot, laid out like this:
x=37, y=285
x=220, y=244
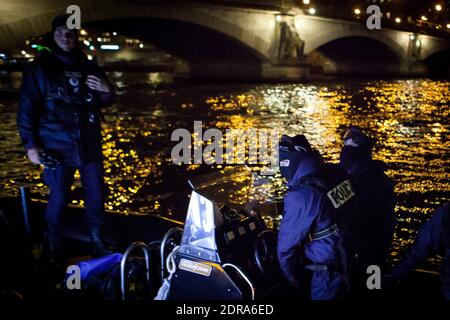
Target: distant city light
x=424, y=18
x=438, y=7
x=141, y=45
x=306, y=1
x=312, y=11
x=83, y=32
x=398, y=20
x=34, y=45
x=114, y=33
x=357, y=11
x=109, y=47
x=99, y=39
x=412, y=37
x=2, y=55
x=448, y=25
x=91, y=48
x=86, y=42
x=89, y=57
x=23, y=52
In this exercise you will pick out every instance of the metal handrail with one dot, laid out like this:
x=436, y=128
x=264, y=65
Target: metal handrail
x=242, y=274
x=258, y=260
x=145, y=249
x=25, y=198
x=163, y=246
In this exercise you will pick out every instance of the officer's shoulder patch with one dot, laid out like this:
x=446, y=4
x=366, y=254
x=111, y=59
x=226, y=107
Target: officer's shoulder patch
x=340, y=194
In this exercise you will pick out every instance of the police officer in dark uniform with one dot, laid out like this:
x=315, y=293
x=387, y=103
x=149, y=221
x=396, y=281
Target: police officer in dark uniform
x=318, y=209
x=433, y=238
x=375, y=199
x=59, y=124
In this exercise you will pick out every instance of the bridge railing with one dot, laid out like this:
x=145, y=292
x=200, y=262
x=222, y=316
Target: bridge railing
x=414, y=26
x=336, y=12
x=255, y=4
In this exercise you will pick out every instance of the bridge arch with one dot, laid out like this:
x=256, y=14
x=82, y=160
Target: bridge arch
x=438, y=63
x=16, y=32
x=333, y=35
x=363, y=56
x=432, y=46
x=190, y=42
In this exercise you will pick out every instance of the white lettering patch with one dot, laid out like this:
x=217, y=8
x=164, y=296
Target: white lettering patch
x=285, y=163
x=195, y=267
x=341, y=194
x=351, y=143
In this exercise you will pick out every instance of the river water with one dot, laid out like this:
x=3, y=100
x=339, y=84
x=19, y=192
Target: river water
x=409, y=118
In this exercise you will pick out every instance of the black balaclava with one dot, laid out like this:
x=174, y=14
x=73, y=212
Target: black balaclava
x=357, y=147
x=292, y=150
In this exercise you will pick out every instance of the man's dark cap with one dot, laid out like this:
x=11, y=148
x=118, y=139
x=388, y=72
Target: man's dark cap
x=59, y=21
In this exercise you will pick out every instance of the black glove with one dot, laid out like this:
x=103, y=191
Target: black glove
x=49, y=162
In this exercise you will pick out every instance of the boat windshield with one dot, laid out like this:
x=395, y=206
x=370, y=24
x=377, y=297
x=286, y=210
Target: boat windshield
x=237, y=190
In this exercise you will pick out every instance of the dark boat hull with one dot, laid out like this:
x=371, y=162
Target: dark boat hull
x=119, y=230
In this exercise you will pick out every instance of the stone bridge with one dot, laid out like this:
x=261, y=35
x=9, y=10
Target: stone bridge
x=268, y=39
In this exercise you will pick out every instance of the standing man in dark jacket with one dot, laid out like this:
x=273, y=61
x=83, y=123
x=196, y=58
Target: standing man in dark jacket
x=433, y=238
x=319, y=197
x=59, y=124
x=375, y=199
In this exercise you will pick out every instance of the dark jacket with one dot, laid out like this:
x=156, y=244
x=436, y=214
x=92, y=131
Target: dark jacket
x=58, y=113
x=375, y=199
x=433, y=238
x=308, y=210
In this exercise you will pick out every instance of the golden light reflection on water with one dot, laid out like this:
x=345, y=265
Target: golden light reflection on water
x=409, y=118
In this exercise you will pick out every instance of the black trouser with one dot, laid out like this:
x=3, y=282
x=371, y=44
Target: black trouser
x=60, y=181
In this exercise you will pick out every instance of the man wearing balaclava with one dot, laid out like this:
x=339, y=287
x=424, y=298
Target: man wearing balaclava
x=375, y=198
x=59, y=124
x=319, y=200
